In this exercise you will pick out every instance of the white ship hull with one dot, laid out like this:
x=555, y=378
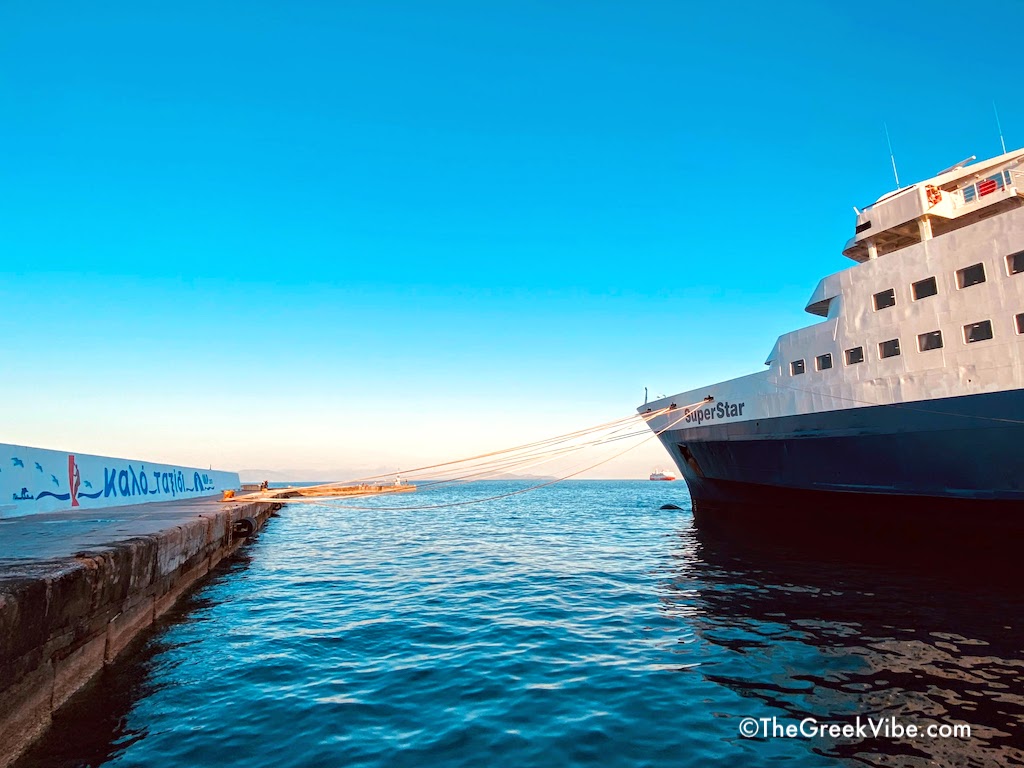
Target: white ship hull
x=934, y=420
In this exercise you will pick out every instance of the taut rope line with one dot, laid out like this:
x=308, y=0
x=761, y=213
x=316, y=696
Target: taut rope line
x=646, y=417
x=557, y=439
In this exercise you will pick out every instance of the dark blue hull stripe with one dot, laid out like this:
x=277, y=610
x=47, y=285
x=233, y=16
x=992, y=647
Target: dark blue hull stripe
x=964, y=448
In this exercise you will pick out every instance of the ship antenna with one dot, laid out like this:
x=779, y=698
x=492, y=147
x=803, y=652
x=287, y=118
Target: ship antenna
x=1000, y=127
x=645, y=395
x=891, y=156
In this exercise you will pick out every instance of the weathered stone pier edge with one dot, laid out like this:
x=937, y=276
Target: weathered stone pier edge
x=62, y=620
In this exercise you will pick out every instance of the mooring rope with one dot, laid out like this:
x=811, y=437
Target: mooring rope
x=557, y=439
x=646, y=417
x=538, y=456
x=503, y=459
x=539, y=459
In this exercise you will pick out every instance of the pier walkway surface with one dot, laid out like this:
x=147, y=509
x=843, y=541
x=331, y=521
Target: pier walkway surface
x=76, y=587
x=52, y=535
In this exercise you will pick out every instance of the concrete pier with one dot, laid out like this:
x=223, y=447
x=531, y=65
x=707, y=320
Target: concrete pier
x=325, y=491
x=77, y=587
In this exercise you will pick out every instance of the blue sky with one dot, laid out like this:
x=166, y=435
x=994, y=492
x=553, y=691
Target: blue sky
x=369, y=234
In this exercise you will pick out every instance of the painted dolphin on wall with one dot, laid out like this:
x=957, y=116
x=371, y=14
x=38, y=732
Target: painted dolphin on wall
x=94, y=481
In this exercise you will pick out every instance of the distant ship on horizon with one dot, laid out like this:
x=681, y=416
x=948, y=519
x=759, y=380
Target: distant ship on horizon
x=902, y=409
x=660, y=474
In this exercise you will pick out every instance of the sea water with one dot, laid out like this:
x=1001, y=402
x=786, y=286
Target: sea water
x=574, y=625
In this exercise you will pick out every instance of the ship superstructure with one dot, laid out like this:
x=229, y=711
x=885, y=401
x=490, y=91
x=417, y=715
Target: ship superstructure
x=908, y=389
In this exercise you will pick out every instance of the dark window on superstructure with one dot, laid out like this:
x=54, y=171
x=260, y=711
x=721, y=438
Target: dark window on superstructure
x=796, y=367
x=854, y=356
x=981, y=331
x=1019, y=319
x=925, y=288
x=885, y=299
x=823, y=362
x=1015, y=263
x=862, y=227
x=930, y=340
x=971, y=275
x=889, y=348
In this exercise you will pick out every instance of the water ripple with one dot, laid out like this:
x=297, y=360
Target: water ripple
x=579, y=625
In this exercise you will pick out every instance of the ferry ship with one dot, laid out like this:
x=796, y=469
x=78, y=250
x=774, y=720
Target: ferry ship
x=902, y=407
x=660, y=474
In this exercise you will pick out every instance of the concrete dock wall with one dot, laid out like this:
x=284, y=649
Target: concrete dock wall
x=62, y=620
x=34, y=480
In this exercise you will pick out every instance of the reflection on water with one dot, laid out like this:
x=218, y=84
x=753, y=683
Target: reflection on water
x=581, y=625
x=920, y=642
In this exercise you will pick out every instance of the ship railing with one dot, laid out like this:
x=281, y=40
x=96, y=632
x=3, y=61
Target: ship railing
x=998, y=181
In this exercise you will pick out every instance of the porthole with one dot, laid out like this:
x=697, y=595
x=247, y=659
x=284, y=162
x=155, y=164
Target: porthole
x=980, y=331
x=971, y=275
x=929, y=341
x=890, y=348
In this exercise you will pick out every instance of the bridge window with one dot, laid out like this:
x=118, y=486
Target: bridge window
x=930, y=340
x=890, y=348
x=1019, y=319
x=854, y=356
x=796, y=367
x=978, y=331
x=885, y=299
x=1015, y=263
x=971, y=275
x=925, y=288
x=823, y=362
